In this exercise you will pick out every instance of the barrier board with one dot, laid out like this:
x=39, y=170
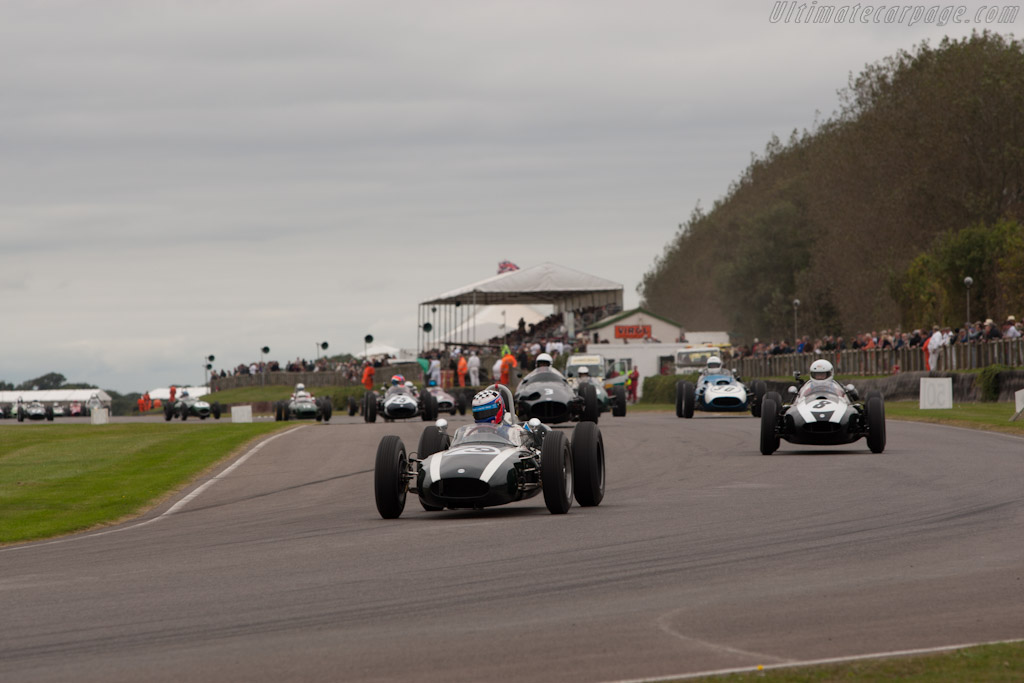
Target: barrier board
x=99, y=416
x=1018, y=398
x=936, y=393
x=241, y=413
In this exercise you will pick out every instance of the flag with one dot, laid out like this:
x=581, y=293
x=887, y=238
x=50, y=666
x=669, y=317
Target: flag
x=506, y=267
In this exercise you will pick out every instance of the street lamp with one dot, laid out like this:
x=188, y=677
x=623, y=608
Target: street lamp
x=207, y=366
x=320, y=345
x=263, y=373
x=968, y=281
x=368, y=339
x=796, y=307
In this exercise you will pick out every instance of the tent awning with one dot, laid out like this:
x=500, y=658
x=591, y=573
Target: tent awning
x=547, y=283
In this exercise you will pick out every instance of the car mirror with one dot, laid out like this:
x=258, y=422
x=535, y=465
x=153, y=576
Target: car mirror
x=441, y=424
x=792, y=390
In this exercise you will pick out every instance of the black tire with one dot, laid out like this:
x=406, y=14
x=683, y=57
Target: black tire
x=353, y=406
x=183, y=412
x=216, y=410
x=286, y=412
x=679, y=398
x=875, y=409
x=591, y=408
x=369, y=407
x=588, y=464
x=619, y=403
x=432, y=440
x=21, y=414
x=168, y=412
x=461, y=402
x=390, y=487
x=328, y=408
x=689, y=396
x=49, y=413
x=769, y=418
x=556, y=472
x=278, y=411
x=430, y=407
x=775, y=396
x=759, y=388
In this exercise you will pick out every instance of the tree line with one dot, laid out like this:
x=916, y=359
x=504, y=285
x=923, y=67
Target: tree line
x=875, y=216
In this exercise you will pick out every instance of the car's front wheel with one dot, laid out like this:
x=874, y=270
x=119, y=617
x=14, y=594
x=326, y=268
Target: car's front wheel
x=769, y=418
x=759, y=387
x=591, y=408
x=875, y=409
x=619, y=404
x=390, y=485
x=588, y=464
x=556, y=473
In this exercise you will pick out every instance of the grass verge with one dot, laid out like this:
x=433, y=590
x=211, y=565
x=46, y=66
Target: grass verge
x=984, y=663
x=57, y=479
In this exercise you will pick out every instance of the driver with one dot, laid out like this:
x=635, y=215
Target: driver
x=489, y=408
x=713, y=366
x=300, y=391
x=584, y=373
x=822, y=371
x=397, y=385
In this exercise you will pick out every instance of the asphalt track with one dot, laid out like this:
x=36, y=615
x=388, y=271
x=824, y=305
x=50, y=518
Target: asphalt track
x=705, y=555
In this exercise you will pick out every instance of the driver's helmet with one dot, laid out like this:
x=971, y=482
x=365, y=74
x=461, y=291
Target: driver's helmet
x=583, y=372
x=714, y=364
x=432, y=383
x=821, y=369
x=489, y=407
x=544, y=360
x=397, y=380
x=300, y=387
x=184, y=393
x=409, y=385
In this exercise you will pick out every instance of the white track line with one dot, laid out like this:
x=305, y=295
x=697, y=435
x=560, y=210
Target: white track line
x=817, y=662
x=171, y=510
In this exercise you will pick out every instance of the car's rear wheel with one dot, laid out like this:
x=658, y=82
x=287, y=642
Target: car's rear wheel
x=168, y=412
x=286, y=412
x=183, y=412
x=556, y=473
x=875, y=409
x=769, y=419
x=216, y=411
x=49, y=413
x=619, y=404
x=353, y=406
x=390, y=485
x=759, y=387
x=689, y=392
x=679, y=398
x=327, y=408
x=588, y=464
x=461, y=401
x=591, y=409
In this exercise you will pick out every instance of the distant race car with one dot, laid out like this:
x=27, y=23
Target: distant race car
x=398, y=403
x=823, y=413
x=446, y=403
x=484, y=465
x=303, y=406
x=187, y=406
x=718, y=390
x=75, y=409
x=611, y=394
x=547, y=395
x=58, y=410
x=34, y=410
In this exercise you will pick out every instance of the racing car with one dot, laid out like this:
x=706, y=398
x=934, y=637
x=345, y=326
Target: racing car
x=610, y=397
x=547, y=395
x=717, y=390
x=187, y=405
x=398, y=402
x=34, y=410
x=303, y=406
x=484, y=465
x=822, y=413
x=446, y=403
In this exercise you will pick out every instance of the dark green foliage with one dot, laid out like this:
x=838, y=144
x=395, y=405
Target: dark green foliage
x=925, y=144
x=662, y=388
x=988, y=382
x=51, y=380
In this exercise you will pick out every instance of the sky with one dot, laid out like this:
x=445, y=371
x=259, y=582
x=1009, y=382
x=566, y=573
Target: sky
x=193, y=178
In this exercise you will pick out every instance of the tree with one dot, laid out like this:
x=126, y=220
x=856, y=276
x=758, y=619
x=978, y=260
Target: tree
x=51, y=380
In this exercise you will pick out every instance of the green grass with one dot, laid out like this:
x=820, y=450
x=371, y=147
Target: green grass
x=57, y=479
x=280, y=393
x=982, y=415
x=982, y=664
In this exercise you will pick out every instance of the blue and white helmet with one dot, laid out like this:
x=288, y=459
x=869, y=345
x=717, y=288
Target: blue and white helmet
x=488, y=407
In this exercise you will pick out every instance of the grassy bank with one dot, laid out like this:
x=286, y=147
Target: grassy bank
x=56, y=479
x=986, y=663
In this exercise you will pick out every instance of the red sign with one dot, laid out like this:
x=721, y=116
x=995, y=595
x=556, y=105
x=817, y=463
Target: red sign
x=632, y=331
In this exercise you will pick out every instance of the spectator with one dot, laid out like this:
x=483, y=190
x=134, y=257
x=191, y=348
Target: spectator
x=474, y=369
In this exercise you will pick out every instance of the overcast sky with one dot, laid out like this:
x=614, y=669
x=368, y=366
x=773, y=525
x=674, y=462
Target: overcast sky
x=187, y=178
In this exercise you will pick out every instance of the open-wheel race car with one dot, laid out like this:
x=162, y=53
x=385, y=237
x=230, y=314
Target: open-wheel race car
x=484, y=465
x=398, y=402
x=303, y=406
x=35, y=410
x=823, y=412
x=718, y=390
x=547, y=395
x=591, y=367
x=446, y=403
x=189, y=406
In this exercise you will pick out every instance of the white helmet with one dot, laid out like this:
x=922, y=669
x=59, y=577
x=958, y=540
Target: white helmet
x=584, y=370
x=300, y=387
x=544, y=359
x=409, y=384
x=714, y=363
x=821, y=369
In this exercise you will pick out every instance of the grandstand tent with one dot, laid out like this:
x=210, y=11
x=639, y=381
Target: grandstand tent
x=565, y=289
x=62, y=396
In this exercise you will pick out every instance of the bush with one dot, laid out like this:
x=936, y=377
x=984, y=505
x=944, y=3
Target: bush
x=662, y=388
x=988, y=382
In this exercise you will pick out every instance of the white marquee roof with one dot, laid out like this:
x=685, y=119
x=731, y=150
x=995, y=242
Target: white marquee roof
x=51, y=395
x=547, y=283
